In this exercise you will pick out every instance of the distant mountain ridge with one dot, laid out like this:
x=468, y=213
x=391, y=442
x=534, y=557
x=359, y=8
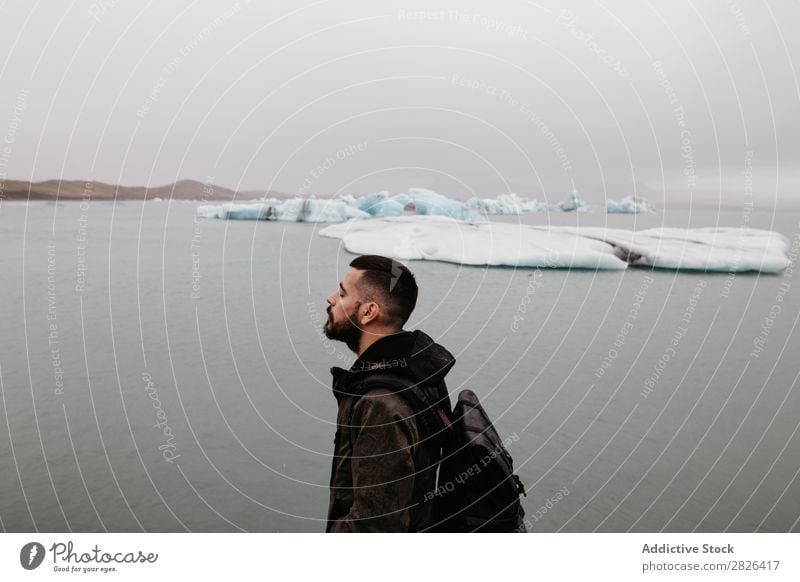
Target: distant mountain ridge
x=66, y=190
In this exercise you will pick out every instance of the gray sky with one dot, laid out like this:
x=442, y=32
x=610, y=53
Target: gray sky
x=667, y=100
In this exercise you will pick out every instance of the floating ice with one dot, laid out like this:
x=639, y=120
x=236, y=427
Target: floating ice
x=629, y=205
x=506, y=204
x=428, y=202
x=503, y=204
x=348, y=199
x=292, y=210
x=439, y=238
x=314, y=210
x=402, y=198
x=536, y=206
x=444, y=239
x=703, y=249
x=234, y=211
x=380, y=204
x=573, y=203
x=419, y=201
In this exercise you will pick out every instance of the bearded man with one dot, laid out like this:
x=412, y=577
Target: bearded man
x=384, y=460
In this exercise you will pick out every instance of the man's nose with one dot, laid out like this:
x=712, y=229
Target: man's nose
x=330, y=298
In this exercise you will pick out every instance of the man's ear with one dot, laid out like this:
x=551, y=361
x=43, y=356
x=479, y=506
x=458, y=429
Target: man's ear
x=371, y=312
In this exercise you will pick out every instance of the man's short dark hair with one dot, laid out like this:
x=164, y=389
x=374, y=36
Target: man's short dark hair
x=390, y=283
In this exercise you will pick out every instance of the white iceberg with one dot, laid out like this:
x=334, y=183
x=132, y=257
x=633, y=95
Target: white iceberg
x=380, y=204
x=516, y=245
x=292, y=210
x=437, y=238
x=573, y=203
x=223, y=210
x=503, y=204
x=536, y=206
x=726, y=249
x=506, y=204
x=629, y=205
x=317, y=210
x=428, y=202
x=418, y=200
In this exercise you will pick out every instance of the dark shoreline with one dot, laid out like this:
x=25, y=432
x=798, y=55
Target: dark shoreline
x=80, y=190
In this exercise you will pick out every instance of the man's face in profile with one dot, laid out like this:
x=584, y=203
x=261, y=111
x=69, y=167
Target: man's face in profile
x=343, y=304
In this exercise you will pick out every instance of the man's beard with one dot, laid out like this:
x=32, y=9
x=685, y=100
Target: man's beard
x=347, y=331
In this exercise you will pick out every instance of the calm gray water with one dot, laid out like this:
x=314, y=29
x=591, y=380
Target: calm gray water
x=163, y=374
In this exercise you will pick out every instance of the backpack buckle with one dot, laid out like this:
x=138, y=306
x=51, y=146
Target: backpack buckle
x=519, y=486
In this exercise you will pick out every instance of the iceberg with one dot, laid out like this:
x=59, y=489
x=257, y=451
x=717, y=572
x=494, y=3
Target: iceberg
x=428, y=202
x=503, y=204
x=292, y=210
x=380, y=204
x=507, y=204
x=437, y=238
x=629, y=205
x=726, y=249
x=403, y=199
x=536, y=206
x=342, y=208
x=573, y=203
x=419, y=201
x=314, y=210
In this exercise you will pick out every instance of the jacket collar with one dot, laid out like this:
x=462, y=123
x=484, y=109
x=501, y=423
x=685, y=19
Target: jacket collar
x=387, y=352
x=410, y=354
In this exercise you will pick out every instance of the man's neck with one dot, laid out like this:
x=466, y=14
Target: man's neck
x=370, y=337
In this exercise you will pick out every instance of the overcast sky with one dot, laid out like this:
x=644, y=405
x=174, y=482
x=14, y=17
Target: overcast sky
x=674, y=101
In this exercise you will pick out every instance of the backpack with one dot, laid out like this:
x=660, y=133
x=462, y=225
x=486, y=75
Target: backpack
x=476, y=488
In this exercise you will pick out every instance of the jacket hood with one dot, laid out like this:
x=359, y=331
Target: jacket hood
x=410, y=354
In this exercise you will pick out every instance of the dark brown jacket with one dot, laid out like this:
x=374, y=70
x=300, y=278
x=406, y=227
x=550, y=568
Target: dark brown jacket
x=381, y=468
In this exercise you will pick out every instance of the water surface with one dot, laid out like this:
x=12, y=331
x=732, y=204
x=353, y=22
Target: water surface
x=161, y=373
